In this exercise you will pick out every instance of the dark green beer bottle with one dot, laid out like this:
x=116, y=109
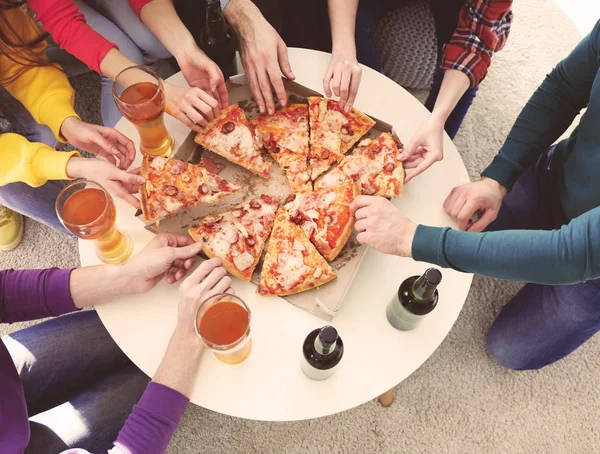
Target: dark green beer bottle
x=216, y=40
x=416, y=297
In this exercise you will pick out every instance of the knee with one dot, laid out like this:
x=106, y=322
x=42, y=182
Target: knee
x=508, y=351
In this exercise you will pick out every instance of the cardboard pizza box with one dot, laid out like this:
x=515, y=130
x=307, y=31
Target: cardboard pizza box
x=324, y=301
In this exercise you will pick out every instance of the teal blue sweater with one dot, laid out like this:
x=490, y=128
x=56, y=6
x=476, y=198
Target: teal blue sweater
x=572, y=253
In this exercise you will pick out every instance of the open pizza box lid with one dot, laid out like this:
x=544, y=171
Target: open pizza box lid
x=324, y=301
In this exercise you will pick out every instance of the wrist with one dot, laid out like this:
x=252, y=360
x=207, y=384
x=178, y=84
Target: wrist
x=186, y=47
x=439, y=115
x=495, y=185
x=344, y=48
x=406, y=239
x=76, y=167
x=184, y=337
x=68, y=125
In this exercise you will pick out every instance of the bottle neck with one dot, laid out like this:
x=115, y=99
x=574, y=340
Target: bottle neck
x=215, y=22
x=324, y=349
x=423, y=290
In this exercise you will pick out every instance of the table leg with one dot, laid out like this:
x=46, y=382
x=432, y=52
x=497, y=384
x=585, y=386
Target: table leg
x=387, y=397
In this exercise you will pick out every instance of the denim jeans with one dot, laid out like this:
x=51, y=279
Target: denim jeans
x=79, y=386
x=541, y=323
x=298, y=17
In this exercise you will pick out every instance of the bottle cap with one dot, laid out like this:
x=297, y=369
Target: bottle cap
x=328, y=335
x=433, y=276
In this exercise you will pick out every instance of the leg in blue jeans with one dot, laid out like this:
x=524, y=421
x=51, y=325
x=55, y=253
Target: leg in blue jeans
x=117, y=22
x=78, y=384
x=542, y=323
x=460, y=111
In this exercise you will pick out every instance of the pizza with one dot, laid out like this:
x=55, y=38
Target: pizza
x=333, y=131
x=284, y=135
x=230, y=136
x=374, y=164
x=172, y=185
x=325, y=217
x=239, y=235
x=292, y=264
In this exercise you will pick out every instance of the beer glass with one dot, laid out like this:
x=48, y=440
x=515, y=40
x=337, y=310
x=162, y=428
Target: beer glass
x=223, y=324
x=87, y=210
x=142, y=102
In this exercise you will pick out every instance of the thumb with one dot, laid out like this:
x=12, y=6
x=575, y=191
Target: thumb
x=185, y=252
x=284, y=62
x=410, y=149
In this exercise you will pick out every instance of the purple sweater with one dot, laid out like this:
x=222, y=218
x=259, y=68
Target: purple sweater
x=33, y=294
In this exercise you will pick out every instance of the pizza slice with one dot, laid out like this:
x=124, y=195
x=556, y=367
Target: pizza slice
x=284, y=135
x=374, y=164
x=325, y=217
x=292, y=264
x=230, y=136
x=238, y=236
x=333, y=131
x=172, y=185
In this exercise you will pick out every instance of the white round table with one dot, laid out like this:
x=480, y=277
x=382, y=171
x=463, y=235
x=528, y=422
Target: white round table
x=269, y=385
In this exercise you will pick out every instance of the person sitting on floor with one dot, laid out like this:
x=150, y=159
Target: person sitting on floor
x=468, y=36
x=64, y=383
x=540, y=207
x=26, y=166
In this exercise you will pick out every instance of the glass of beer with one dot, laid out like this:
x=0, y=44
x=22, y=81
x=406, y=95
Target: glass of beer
x=88, y=211
x=140, y=97
x=223, y=324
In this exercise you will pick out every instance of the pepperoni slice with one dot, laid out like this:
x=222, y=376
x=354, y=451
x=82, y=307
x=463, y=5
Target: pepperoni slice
x=389, y=167
x=369, y=190
x=255, y=204
x=250, y=241
x=211, y=166
x=204, y=188
x=325, y=154
x=178, y=168
x=290, y=198
x=346, y=130
x=327, y=219
x=268, y=199
x=170, y=190
x=297, y=218
x=271, y=144
x=228, y=127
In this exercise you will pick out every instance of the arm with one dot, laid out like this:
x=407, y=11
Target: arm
x=344, y=72
x=264, y=54
x=549, y=111
x=199, y=70
x=564, y=256
x=481, y=31
x=154, y=419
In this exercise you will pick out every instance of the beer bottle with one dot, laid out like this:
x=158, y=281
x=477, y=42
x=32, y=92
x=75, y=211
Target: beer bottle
x=323, y=350
x=416, y=297
x=216, y=40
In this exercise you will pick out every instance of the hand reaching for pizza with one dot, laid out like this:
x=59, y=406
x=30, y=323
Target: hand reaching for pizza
x=201, y=72
x=425, y=148
x=192, y=106
x=264, y=54
x=343, y=77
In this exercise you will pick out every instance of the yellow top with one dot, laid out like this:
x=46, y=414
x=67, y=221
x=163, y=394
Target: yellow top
x=47, y=95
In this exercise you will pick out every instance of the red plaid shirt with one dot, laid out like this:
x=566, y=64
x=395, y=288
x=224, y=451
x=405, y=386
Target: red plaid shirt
x=483, y=27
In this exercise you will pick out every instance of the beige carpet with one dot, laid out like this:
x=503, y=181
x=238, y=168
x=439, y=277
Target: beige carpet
x=460, y=401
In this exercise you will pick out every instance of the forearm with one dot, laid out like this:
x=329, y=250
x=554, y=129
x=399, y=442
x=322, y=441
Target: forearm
x=241, y=13
x=454, y=86
x=114, y=62
x=155, y=418
x=342, y=17
x=565, y=256
x=93, y=285
x=162, y=19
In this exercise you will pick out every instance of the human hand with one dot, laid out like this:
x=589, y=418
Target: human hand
x=100, y=141
x=425, y=147
x=263, y=52
x=483, y=196
x=192, y=106
x=110, y=177
x=165, y=255
x=381, y=225
x=209, y=279
x=201, y=72
x=343, y=76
